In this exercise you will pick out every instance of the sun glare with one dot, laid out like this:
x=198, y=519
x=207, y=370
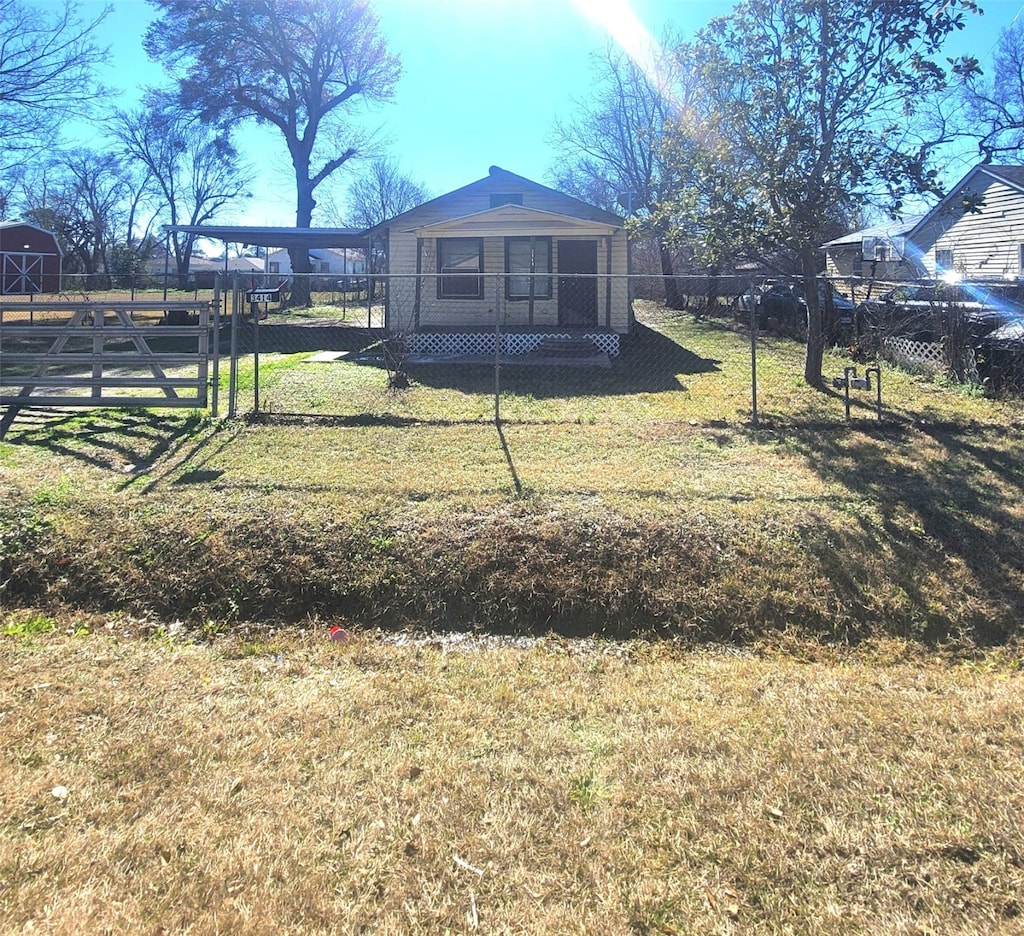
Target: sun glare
x=626, y=30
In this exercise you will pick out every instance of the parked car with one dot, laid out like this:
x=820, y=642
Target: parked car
x=785, y=303
x=915, y=309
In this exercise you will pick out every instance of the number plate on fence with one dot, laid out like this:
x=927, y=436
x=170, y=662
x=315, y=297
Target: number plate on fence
x=263, y=295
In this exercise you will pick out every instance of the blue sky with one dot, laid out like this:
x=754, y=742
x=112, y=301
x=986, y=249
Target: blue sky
x=483, y=82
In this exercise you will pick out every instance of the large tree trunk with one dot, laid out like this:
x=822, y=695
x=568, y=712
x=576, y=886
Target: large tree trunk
x=713, y=275
x=299, y=256
x=815, y=333
x=674, y=298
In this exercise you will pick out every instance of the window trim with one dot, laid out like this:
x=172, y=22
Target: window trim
x=538, y=242
x=442, y=276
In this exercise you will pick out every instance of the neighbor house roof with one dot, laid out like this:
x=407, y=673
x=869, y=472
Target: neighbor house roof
x=888, y=230
x=1013, y=176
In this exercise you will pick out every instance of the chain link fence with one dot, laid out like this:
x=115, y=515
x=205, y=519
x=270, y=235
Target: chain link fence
x=577, y=349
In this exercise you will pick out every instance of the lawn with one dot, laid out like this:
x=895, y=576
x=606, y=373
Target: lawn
x=634, y=500
x=624, y=663
x=278, y=782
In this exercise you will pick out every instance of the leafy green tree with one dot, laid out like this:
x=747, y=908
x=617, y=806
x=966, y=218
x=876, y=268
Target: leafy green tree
x=301, y=67
x=192, y=166
x=814, y=99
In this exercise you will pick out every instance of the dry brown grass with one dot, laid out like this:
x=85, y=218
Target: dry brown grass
x=288, y=784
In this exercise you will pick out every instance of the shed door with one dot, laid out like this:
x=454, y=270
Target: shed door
x=577, y=282
x=20, y=273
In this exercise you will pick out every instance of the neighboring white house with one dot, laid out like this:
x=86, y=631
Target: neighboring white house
x=323, y=260
x=158, y=262
x=975, y=232
x=878, y=252
x=563, y=262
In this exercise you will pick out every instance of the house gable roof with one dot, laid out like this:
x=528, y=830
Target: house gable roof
x=1012, y=176
x=509, y=220
x=493, y=182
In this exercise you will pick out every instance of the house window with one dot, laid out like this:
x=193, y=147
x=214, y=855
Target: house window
x=457, y=259
x=526, y=259
x=506, y=198
x=883, y=253
x=274, y=266
x=943, y=260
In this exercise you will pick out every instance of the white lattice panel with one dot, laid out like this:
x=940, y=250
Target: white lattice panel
x=442, y=343
x=910, y=353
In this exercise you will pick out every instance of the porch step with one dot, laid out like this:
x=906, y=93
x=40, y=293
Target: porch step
x=554, y=346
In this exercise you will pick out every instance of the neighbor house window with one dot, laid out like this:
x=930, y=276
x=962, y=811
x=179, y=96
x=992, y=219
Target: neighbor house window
x=457, y=259
x=526, y=259
x=943, y=260
x=883, y=253
x=506, y=198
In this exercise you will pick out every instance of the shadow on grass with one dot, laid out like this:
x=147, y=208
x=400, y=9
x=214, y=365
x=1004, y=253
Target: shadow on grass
x=948, y=499
x=649, y=363
x=122, y=440
x=292, y=339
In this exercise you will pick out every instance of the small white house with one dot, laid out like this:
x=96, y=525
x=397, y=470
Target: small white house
x=975, y=232
x=325, y=261
x=548, y=261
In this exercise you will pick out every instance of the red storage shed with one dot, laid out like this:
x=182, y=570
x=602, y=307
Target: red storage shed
x=30, y=259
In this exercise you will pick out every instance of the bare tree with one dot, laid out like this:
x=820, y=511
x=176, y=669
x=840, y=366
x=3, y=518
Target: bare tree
x=90, y=200
x=300, y=67
x=46, y=75
x=995, y=105
x=192, y=165
x=382, y=192
x=610, y=153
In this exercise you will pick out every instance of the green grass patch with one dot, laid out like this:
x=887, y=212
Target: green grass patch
x=636, y=500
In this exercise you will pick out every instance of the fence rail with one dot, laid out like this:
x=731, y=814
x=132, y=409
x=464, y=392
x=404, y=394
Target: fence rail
x=91, y=353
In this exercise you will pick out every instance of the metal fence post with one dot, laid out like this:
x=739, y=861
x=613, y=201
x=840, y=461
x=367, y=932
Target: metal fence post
x=233, y=371
x=255, y=358
x=753, y=363
x=218, y=293
x=497, y=351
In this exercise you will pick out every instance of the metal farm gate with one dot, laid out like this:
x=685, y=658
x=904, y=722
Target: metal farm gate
x=118, y=354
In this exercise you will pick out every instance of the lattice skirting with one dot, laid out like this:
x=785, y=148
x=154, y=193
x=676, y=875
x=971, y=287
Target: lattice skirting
x=909, y=353
x=483, y=342
x=927, y=355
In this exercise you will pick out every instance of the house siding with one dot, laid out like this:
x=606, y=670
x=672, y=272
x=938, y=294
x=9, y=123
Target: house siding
x=412, y=308
x=985, y=244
